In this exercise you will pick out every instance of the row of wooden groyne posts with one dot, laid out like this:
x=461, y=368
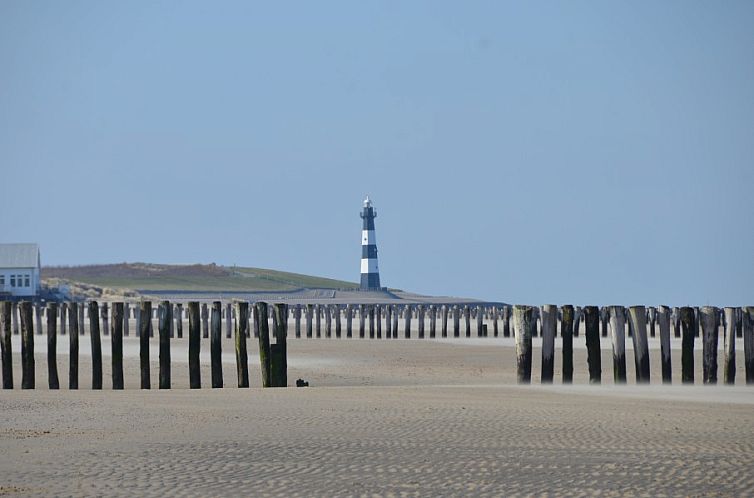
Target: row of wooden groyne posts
x=523, y=321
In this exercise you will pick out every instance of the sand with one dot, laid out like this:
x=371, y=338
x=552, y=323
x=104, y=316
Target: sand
x=382, y=418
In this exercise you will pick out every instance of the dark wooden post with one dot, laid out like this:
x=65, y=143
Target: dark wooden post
x=194, y=344
x=663, y=322
x=494, y=321
x=338, y=326
x=604, y=320
x=27, y=346
x=652, y=315
x=444, y=320
x=637, y=316
x=328, y=321
x=242, y=358
x=205, y=321
x=73, y=347
x=739, y=322
x=378, y=319
x=126, y=316
x=370, y=313
x=145, y=323
x=82, y=323
x=309, y=313
x=388, y=321
x=52, y=346
x=534, y=320
x=116, y=341
x=297, y=318
x=216, y=346
x=522, y=331
x=479, y=321
x=688, y=325
x=467, y=319
x=747, y=327
x=407, y=322
x=318, y=322
x=228, y=322
x=709, y=317
x=361, y=321
x=278, y=351
x=506, y=321
x=420, y=319
x=594, y=358
x=165, y=316
x=730, y=319
x=617, y=320
x=676, y=318
x=432, y=321
x=349, y=321
x=62, y=312
x=264, y=343
x=6, y=344
x=549, y=314
x=394, y=318
x=578, y=316
x=38, y=318
x=94, y=334
x=179, y=320
x=698, y=332
x=456, y=321
x=105, y=321
x=566, y=331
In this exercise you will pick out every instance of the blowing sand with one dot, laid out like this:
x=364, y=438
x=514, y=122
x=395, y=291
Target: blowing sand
x=403, y=417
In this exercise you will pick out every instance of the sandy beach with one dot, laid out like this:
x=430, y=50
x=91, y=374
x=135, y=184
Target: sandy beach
x=381, y=418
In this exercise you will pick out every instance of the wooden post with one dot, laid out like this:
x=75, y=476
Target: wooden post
x=264, y=343
x=349, y=321
x=444, y=320
x=420, y=319
x=393, y=313
x=378, y=319
x=52, y=346
x=105, y=321
x=62, y=312
x=116, y=341
x=730, y=319
x=297, y=318
x=494, y=321
x=27, y=346
x=534, y=320
x=709, y=317
x=194, y=344
x=228, y=321
x=73, y=347
x=652, y=316
x=594, y=358
x=309, y=313
x=242, y=358
x=566, y=331
x=617, y=321
x=676, y=317
x=578, y=316
x=178, y=320
x=278, y=351
x=215, y=346
x=479, y=321
x=205, y=321
x=688, y=325
x=506, y=321
x=328, y=321
x=317, y=320
x=38, y=318
x=5, y=343
x=407, y=322
x=747, y=327
x=82, y=323
x=467, y=319
x=94, y=334
x=388, y=321
x=370, y=314
x=604, y=320
x=165, y=316
x=549, y=314
x=432, y=321
x=145, y=323
x=663, y=322
x=637, y=316
x=338, y=327
x=739, y=322
x=522, y=331
x=456, y=321
x=127, y=315
x=361, y=321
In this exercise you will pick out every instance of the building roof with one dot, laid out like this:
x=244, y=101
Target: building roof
x=19, y=255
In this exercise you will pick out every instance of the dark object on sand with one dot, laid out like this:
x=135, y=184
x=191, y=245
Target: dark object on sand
x=301, y=383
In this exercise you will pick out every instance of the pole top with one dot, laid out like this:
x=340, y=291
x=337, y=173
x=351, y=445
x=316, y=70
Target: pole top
x=367, y=202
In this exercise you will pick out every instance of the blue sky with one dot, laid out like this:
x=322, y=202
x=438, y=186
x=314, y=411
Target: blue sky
x=583, y=152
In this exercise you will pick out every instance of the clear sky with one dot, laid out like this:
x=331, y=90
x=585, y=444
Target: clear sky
x=531, y=152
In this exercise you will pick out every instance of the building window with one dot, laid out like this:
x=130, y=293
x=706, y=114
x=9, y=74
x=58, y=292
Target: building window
x=12, y=280
x=2, y=280
x=26, y=281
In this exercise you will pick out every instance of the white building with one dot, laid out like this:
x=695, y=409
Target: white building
x=19, y=269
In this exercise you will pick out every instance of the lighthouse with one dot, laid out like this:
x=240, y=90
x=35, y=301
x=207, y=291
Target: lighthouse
x=370, y=272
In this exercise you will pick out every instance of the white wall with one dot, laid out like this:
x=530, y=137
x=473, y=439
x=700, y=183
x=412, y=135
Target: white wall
x=21, y=289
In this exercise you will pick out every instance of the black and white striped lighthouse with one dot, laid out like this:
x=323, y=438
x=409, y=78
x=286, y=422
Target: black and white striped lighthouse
x=370, y=272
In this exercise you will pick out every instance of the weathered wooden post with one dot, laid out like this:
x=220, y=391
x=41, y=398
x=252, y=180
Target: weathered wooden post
x=242, y=326
x=94, y=334
x=52, y=346
x=467, y=319
x=420, y=319
x=5, y=344
x=637, y=315
x=522, y=331
x=62, y=312
x=165, y=317
x=28, y=370
x=566, y=331
x=145, y=323
x=617, y=321
x=82, y=323
x=709, y=317
x=578, y=316
x=432, y=321
x=297, y=319
x=506, y=321
x=479, y=321
x=594, y=356
x=361, y=321
x=456, y=321
x=688, y=325
x=194, y=344
x=747, y=328
x=278, y=351
x=730, y=319
x=73, y=347
x=349, y=321
x=328, y=321
x=407, y=321
x=676, y=318
x=38, y=310
x=127, y=315
x=663, y=322
x=444, y=321
x=549, y=316
x=604, y=320
x=216, y=346
x=338, y=327
x=494, y=321
x=116, y=344
x=264, y=343
x=228, y=322
x=394, y=327
x=309, y=313
x=371, y=321
x=378, y=319
x=739, y=322
x=652, y=315
x=205, y=321
x=105, y=321
x=388, y=321
x=317, y=315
